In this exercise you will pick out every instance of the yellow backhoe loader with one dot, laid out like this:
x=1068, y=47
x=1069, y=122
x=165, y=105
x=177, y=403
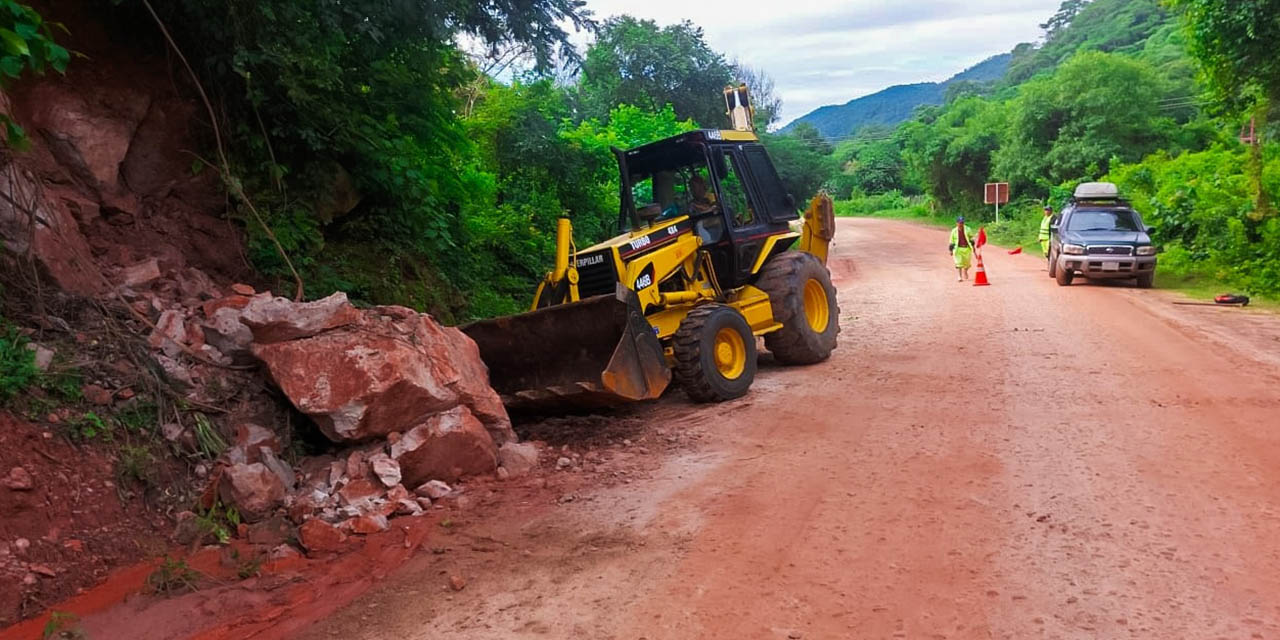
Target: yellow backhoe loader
x=707, y=259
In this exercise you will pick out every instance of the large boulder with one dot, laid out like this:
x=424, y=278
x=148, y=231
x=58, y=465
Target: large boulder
x=446, y=446
x=388, y=370
x=278, y=319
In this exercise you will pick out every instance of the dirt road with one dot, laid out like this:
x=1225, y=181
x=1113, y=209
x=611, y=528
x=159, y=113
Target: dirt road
x=1006, y=462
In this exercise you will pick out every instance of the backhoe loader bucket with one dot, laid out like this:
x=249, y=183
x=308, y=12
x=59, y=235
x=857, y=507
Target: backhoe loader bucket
x=596, y=353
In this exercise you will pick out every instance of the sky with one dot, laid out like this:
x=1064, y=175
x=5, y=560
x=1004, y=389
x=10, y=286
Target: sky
x=822, y=52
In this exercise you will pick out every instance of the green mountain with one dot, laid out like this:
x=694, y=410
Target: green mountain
x=896, y=104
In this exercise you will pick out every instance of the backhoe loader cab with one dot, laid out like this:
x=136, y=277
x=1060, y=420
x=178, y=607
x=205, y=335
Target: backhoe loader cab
x=705, y=262
x=723, y=182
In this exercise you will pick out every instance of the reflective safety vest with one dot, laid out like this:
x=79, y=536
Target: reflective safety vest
x=968, y=235
x=1044, y=227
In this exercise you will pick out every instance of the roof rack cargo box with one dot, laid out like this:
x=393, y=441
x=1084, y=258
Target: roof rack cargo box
x=1097, y=191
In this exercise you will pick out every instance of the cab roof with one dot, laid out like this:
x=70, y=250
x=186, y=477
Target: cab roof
x=698, y=135
x=685, y=148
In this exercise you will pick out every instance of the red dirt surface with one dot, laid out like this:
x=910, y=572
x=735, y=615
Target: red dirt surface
x=1014, y=461
x=72, y=518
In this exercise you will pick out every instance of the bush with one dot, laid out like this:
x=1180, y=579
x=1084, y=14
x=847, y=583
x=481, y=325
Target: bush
x=1204, y=216
x=17, y=362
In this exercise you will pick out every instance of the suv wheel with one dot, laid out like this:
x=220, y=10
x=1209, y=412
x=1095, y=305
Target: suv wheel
x=1053, y=264
x=1147, y=280
x=1064, y=277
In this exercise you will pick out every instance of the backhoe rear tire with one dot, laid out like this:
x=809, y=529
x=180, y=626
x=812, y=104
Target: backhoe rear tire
x=804, y=302
x=715, y=354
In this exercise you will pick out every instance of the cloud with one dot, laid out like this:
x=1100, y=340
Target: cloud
x=831, y=51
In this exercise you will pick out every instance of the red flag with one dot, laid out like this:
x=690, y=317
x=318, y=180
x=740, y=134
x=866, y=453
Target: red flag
x=1014, y=252
x=982, y=237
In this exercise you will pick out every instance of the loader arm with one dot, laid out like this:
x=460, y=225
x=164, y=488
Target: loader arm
x=560, y=286
x=819, y=227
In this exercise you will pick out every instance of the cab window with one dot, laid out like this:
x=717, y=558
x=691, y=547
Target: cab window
x=733, y=190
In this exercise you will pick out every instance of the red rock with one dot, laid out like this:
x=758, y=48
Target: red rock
x=278, y=319
x=250, y=436
x=74, y=545
x=252, y=489
x=445, y=447
x=209, y=495
x=142, y=273
x=518, y=458
x=234, y=302
x=284, y=552
x=407, y=507
x=473, y=384
x=355, y=465
x=224, y=332
x=270, y=532
x=125, y=394
x=43, y=570
x=170, y=332
x=193, y=335
x=19, y=480
x=385, y=469
x=174, y=371
x=196, y=284
x=457, y=582
x=392, y=371
x=433, y=489
x=398, y=492
x=359, y=490
x=242, y=289
x=138, y=274
x=320, y=536
x=96, y=395
x=369, y=523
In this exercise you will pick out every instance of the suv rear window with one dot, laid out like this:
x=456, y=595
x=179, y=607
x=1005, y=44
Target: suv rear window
x=1103, y=220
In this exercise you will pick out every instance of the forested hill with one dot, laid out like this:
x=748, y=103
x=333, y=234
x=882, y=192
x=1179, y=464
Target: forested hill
x=895, y=104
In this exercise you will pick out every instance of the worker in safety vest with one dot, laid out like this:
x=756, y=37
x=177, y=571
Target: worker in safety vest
x=961, y=248
x=1044, y=230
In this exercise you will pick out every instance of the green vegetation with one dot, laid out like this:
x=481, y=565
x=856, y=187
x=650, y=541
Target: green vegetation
x=173, y=577
x=62, y=625
x=17, y=362
x=26, y=44
x=1113, y=95
x=389, y=161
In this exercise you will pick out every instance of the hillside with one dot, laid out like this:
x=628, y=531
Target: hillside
x=896, y=104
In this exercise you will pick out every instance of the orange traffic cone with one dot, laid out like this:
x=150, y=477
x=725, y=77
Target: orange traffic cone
x=980, y=278
x=1014, y=252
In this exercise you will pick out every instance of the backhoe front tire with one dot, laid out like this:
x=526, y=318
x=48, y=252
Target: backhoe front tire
x=715, y=354
x=804, y=302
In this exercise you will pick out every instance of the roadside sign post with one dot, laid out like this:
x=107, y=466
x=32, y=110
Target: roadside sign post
x=996, y=193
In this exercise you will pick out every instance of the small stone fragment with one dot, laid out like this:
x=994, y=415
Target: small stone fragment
x=369, y=523
x=96, y=395
x=385, y=468
x=433, y=489
x=318, y=535
x=19, y=480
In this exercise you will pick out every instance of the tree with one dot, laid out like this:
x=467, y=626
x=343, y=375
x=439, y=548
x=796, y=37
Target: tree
x=366, y=88
x=802, y=158
x=637, y=62
x=1062, y=19
x=1235, y=43
x=27, y=45
x=1073, y=123
x=764, y=97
